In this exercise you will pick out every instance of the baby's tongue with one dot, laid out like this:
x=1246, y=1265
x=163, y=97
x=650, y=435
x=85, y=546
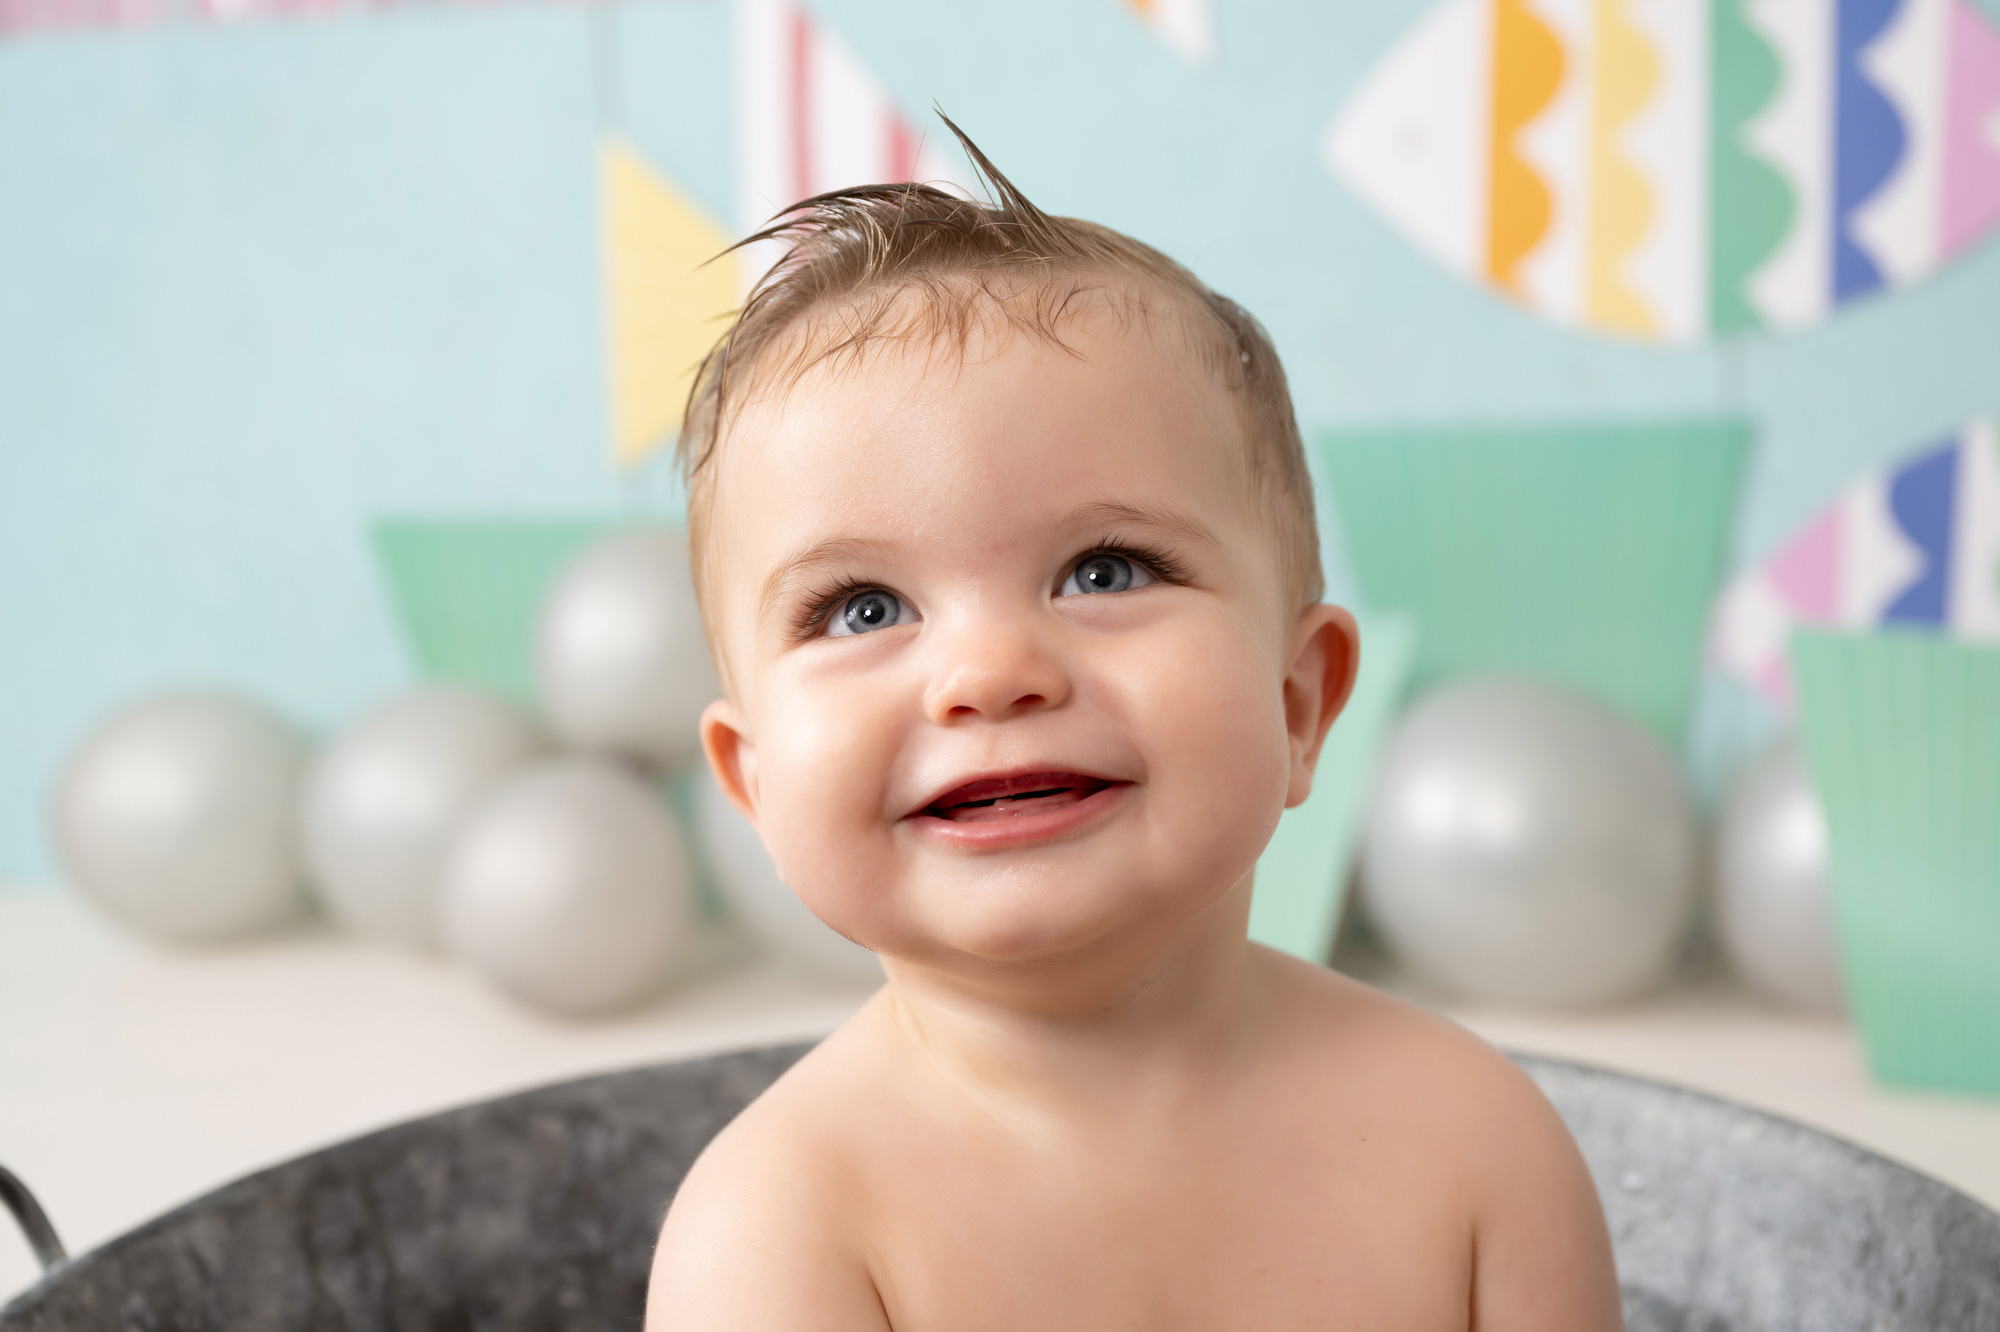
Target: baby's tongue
x=1006, y=798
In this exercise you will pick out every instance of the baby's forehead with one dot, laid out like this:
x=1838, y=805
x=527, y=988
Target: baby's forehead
x=939, y=419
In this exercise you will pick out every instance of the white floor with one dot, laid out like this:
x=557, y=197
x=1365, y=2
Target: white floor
x=132, y=1080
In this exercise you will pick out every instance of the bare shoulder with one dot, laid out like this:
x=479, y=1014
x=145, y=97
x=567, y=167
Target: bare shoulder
x=1403, y=1058
x=1484, y=1134
x=761, y=1233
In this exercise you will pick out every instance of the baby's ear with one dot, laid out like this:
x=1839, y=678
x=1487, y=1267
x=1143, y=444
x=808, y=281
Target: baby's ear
x=1326, y=655
x=731, y=756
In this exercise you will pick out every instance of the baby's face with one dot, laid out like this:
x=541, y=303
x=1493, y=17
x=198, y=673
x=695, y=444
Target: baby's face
x=1007, y=642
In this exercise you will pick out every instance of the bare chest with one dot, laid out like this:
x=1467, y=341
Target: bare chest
x=1271, y=1235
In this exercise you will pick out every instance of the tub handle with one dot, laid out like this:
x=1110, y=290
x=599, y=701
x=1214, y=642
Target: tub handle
x=33, y=1220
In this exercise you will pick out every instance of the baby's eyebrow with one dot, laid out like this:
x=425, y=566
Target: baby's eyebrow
x=1139, y=512
x=803, y=564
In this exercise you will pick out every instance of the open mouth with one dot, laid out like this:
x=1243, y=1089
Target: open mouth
x=992, y=799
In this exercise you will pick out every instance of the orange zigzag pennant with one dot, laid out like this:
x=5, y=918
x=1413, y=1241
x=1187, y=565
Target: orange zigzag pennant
x=1527, y=70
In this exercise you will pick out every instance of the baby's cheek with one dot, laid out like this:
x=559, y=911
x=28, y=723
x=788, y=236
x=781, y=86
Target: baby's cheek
x=1218, y=727
x=821, y=774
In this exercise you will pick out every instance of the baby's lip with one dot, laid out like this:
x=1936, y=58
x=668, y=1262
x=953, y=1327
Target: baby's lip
x=1000, y=795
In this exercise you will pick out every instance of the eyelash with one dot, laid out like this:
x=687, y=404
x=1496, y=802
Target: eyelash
x=811, y=616
x=1159, y=562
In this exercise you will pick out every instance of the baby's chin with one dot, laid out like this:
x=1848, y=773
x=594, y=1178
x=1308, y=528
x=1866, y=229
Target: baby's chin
x=1028, y=917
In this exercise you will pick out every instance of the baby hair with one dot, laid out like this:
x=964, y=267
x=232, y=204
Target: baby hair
x=912, y=263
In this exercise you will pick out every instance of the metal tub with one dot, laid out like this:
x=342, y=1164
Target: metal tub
x=539, y=1211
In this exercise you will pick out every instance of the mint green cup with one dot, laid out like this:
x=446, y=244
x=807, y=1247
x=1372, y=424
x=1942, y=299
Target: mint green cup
x=1903, y=734
x=1585, y=553
x=467, y=592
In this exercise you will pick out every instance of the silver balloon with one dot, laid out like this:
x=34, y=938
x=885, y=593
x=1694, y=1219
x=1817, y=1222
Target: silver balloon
x=178, y=818
x=751, y=885
x=569, y=888
x=1772, y=911
x=382, y=802
x=619, y=652
x=1526, y=844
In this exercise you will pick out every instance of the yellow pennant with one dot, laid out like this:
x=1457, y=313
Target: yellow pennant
x=666, y=302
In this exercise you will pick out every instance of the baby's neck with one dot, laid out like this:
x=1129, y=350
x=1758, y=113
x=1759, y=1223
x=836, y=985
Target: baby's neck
x=1093, y=1034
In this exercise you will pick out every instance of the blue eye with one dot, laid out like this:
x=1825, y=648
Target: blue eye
x=865, y=612
x=1104, y=572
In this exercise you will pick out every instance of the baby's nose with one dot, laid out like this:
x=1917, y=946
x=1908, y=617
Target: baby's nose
x=993, y=672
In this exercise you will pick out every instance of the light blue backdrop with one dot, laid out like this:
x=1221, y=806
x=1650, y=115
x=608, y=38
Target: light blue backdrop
x=259, y=284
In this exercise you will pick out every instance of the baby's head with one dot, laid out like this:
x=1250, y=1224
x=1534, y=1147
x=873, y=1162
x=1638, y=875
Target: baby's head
x=1006, y=550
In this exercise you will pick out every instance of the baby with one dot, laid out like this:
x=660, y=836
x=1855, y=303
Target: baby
x=1006, y=550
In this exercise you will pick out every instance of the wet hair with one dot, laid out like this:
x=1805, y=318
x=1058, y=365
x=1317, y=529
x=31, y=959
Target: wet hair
x=916, y=264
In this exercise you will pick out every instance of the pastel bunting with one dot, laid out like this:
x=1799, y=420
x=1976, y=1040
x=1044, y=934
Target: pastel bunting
x=1915, y=546
x=1673, y=170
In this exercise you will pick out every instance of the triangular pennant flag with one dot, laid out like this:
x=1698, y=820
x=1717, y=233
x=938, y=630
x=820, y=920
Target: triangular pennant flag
x=811, y=117
x=1915, y=545
x=666, y=295
x=1186, y=26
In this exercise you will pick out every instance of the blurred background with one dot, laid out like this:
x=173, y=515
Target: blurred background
x=1647, y=354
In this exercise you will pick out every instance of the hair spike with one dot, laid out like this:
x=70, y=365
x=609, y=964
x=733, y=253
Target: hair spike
x=1009, y=205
